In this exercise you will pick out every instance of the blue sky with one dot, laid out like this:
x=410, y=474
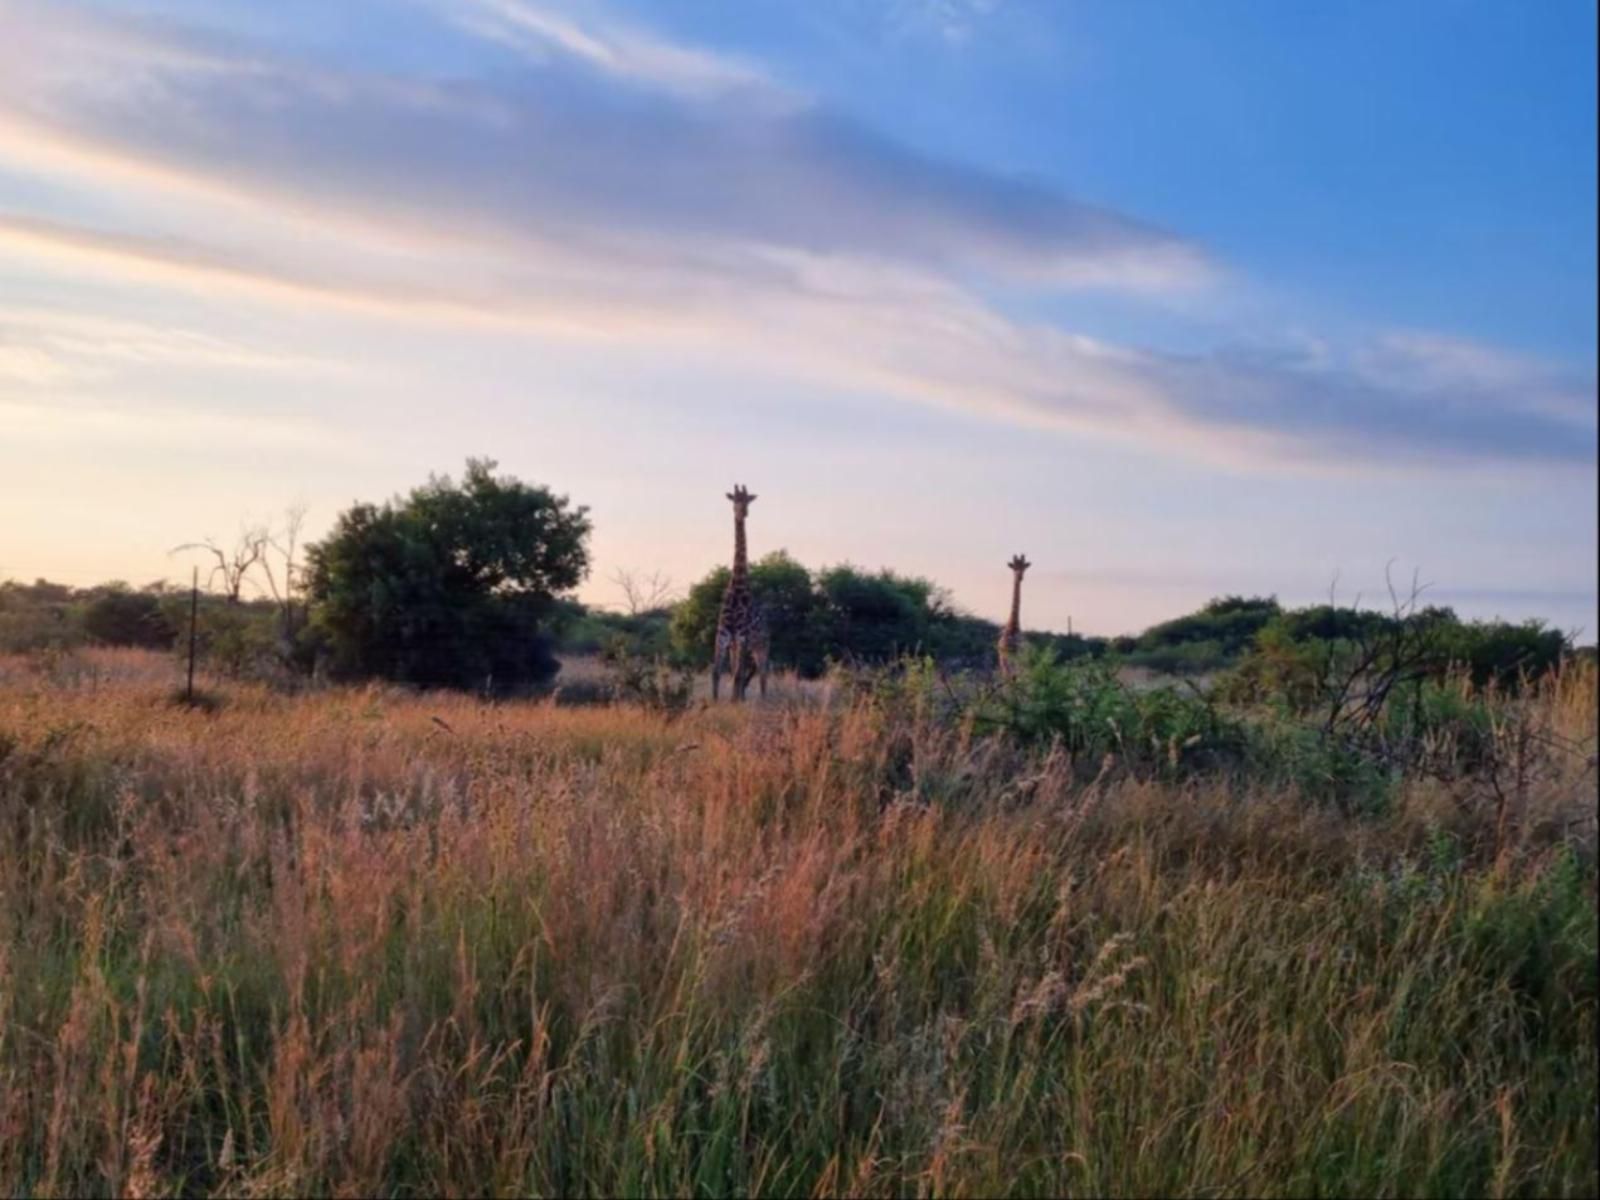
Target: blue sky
x=1178, y=299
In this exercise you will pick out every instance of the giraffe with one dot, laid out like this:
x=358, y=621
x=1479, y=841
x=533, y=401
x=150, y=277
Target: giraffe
x=1011, y=635
x=743, y=638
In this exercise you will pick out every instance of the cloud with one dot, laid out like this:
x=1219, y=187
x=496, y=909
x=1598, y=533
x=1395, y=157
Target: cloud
x=1397, y=399
x=41, y=347
x=157, y=425
x=954, y=21
x=550, y=154
x=563, y=202
x=543, y=30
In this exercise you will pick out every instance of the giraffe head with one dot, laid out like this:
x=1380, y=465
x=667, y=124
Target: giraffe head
x=1019, y=564
x=742, y=499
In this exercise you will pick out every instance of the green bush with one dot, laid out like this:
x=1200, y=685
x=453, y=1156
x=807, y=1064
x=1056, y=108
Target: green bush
x=119, y=617
x=581, y=631
x=1185, y=658
x=1503, y=654
x=648, y=680
x=1086, y=709
x=1228, y=625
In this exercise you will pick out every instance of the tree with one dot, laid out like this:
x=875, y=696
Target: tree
x=450, y=586
x=236, y=565
x=285, y=580
x=873, y=617
x=643, y=593
x=781, y=586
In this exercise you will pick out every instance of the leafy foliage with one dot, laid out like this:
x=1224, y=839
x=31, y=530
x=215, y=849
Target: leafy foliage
x=842, y=613
x=1085, y=709
x=449, y=586
x=1205, y=640
x=784, y=589
x=119, y=617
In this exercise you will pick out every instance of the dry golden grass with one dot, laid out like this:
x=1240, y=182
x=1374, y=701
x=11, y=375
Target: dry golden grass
x=362, y=942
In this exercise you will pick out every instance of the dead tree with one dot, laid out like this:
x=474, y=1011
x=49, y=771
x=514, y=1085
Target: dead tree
x=235, y=565
x=284, y=577
x=1359, y=674
x=643, y=593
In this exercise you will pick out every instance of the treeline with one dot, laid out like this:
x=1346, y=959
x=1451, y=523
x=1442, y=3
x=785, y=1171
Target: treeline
x=848, y=615
x=235, y=637
x=467, y=584
x=839, y=614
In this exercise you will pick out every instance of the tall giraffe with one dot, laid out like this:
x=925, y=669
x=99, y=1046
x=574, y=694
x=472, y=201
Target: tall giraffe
x=743, y=638
x=1011, y=635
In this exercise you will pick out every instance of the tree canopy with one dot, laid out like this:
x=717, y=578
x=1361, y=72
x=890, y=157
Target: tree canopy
x=450, y=585
x=840, y=612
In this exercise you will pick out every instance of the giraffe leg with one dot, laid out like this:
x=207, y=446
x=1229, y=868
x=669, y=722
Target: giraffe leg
x=740, y=679
x=719, y=658
x=763, y=663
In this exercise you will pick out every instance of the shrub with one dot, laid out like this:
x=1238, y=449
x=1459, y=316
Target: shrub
x=648, y=680
x=1503, y=654
x=1084, y=708
x=1226, y=625
x=119, y=617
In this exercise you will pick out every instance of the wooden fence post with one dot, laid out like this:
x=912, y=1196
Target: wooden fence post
x=194, y=613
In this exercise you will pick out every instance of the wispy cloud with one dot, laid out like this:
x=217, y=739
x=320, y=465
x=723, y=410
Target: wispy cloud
x=954, y=21
x=553, y=155
x=45, y=348
x=560, y=202
x=147, y=424
x=542, y=30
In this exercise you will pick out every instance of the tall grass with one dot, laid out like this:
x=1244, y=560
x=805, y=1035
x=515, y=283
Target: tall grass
x=358, y=942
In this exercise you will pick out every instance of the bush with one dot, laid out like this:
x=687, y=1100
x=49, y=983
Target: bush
x=648, y=680
x=236, y=640
x=1226, y=626
x=28, y=626
x=1503, y=654
x=118, y=617
x=582, y=631
x=1084, y=708
x=1185, y=658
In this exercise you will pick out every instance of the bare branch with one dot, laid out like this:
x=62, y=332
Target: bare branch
x=642, y=593
x=234, y=566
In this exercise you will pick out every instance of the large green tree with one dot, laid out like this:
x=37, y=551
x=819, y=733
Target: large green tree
x=449, y=586
x=875, y=616
x=783, y=588
x=841, y=612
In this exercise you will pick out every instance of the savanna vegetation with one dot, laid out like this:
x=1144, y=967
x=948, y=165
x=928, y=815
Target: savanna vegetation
x=380, y=912
x=1057, y=937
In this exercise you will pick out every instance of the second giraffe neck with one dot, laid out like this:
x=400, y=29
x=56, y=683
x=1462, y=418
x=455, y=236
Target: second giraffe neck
x=1016, y=604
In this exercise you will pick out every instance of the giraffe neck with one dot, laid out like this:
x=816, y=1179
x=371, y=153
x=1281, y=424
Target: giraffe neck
x=1015, y=621
x=741, y=557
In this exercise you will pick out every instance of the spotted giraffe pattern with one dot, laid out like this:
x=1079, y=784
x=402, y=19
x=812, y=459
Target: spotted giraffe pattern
x=1011, y=635
x=743, y=642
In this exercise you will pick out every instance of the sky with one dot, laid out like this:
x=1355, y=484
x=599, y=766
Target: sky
x=1179, y=300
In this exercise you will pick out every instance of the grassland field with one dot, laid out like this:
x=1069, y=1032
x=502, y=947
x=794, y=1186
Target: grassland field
x=360, y=941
